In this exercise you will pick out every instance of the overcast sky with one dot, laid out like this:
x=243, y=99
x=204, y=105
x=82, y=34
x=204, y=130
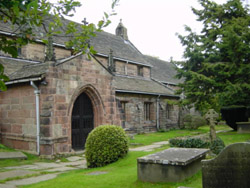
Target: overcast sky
x=152, y=24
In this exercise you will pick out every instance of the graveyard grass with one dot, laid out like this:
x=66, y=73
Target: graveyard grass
x=123, y=173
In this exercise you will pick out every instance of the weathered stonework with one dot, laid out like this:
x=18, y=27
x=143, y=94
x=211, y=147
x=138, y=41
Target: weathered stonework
x=104, y=81
x=65, y=82
x=135, y=118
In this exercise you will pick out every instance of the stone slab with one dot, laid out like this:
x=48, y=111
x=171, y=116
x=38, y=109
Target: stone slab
x=12, y=155
x=150, y=147
x=32, y=180
x=230, y=169
x=97, y=173
x=60, y=169
x=171, y=165
x=37, y=166
x=15, y=173
x=174, y=156
x=74, y=158
x=7, y=186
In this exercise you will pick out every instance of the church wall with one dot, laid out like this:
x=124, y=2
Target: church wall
x=65, y=83
x=146, y=72
x=132, y=70
x=134, y=115
x=18, y=117
x=120, y=67
x=36, y=52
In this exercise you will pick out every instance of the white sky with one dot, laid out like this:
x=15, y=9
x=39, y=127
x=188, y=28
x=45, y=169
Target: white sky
x=152, y=24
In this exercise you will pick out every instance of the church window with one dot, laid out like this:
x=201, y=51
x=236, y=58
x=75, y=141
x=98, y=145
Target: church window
x=123, y=106
x=147, y=111
x=169, y=108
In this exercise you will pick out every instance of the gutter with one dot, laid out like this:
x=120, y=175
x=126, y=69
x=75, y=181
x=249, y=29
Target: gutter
x=126, y=60
x=23, y=80
x=145, y=93
x=37, y=94
x=158, y=113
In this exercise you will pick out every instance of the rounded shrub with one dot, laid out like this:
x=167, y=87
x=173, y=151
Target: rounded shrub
x=217, y=146
x=105, y=144
x=193, y=121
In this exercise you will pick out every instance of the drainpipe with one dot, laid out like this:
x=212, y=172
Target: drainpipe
x=158, y=113
x=37, y=93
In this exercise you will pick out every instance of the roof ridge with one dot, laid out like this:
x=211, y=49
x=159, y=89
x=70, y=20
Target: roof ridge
x=20, y=59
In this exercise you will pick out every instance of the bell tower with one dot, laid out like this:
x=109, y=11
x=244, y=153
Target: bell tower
x=121, y=31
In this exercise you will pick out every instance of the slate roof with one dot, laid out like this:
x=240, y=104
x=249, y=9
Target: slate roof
x=123, y=49
x=102, y=43
x=139, y=85
x=17, y=69
x=30, y=71
x=12, y=64
x=163, y=71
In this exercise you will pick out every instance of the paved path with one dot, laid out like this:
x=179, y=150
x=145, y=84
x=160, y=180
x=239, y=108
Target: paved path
x=75, y=162
x=150, y=147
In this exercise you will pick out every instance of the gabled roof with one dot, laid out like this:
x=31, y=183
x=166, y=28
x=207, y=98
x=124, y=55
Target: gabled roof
x=138, y=85
x=163, y=71
x=102, y=43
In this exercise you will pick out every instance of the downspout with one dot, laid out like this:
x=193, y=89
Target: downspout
x=158, y=113
x=37, y=93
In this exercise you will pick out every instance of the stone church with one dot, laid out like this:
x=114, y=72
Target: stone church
x=50, y=106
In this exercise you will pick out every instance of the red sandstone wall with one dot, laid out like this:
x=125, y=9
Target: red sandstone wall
x=18, y=117
x=65, y=83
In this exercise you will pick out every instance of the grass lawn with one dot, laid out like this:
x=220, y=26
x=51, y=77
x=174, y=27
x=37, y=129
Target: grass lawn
x=5, y=149
x=147, y=139
x=123, y=173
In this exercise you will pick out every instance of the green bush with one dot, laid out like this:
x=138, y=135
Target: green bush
x=217, y=146
x=189, y=143
x=105, y=144
x=193, y=121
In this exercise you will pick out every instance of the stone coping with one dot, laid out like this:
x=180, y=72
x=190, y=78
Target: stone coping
x=243, y=123
x=174, y=156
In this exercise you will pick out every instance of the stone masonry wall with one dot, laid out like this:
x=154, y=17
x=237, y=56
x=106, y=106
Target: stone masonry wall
x=135, y=119
x=36, y=52
x=18, y=118
x=65, y=83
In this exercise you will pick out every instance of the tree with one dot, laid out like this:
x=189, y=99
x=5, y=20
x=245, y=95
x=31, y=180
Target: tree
x=40, y=19
x=217, y=66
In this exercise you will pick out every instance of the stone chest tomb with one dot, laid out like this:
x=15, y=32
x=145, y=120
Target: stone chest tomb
x=171, y=165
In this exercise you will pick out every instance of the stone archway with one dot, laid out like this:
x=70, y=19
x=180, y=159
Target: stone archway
x=82, y=121
x=87, y=112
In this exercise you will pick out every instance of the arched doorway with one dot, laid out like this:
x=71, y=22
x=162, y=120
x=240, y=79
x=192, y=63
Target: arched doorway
x=82, y=121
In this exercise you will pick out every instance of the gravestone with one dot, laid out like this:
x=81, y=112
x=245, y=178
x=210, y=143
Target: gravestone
x=230, y=169
x=170, y=165
x=211, y=116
